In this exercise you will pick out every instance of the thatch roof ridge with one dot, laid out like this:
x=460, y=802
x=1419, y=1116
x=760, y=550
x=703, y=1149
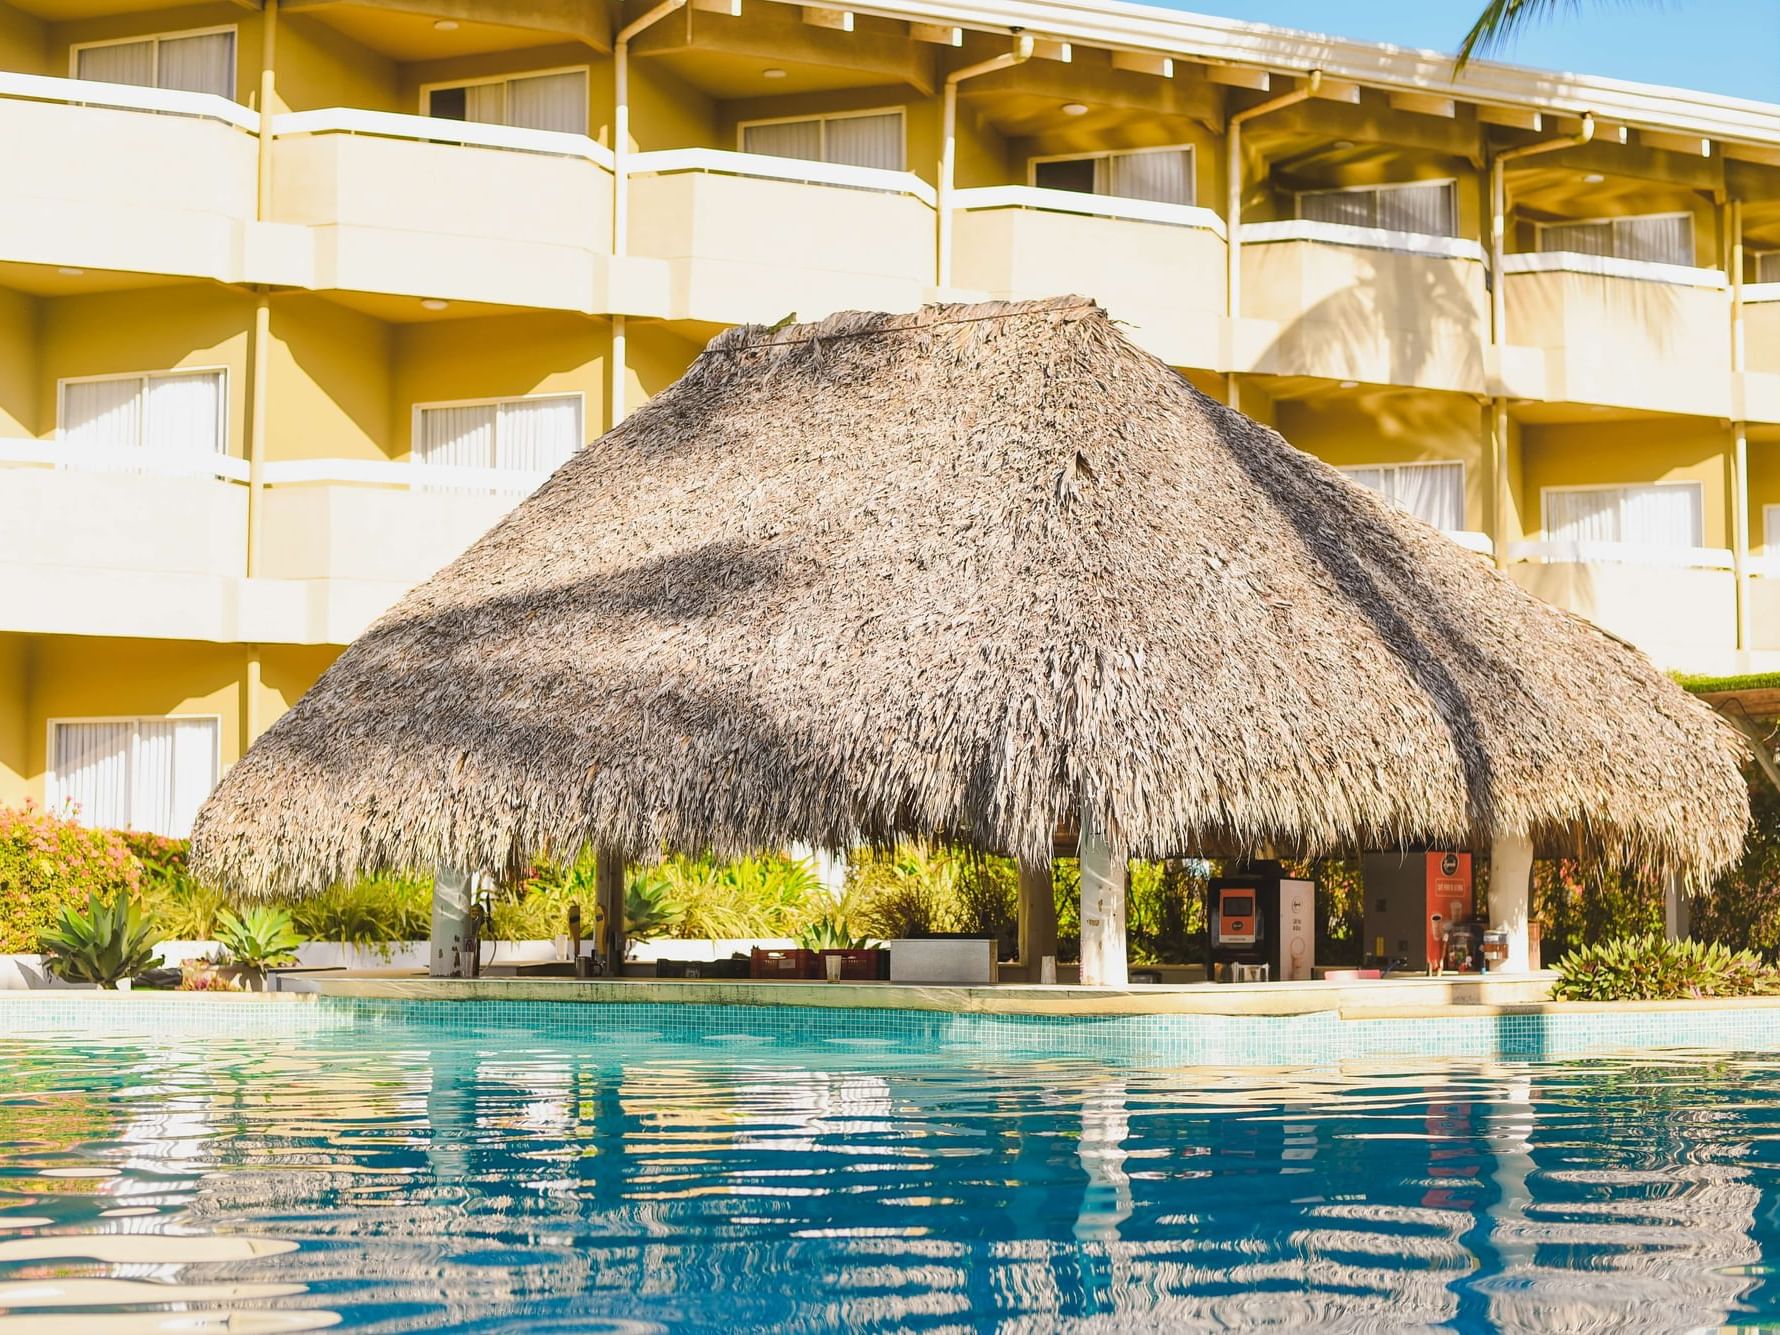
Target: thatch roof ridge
x=970, y=570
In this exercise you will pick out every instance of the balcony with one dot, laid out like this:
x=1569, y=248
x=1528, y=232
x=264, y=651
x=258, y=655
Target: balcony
x=91, y=544
x=747, y=237
x=1761, y=336
x=1159, y=268
x=1679, y=605
x=105, y=176
x=1361, y=303
x=1623, y=333
x=439, y=208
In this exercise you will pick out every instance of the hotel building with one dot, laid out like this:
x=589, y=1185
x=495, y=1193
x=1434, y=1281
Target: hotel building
x=298, y=296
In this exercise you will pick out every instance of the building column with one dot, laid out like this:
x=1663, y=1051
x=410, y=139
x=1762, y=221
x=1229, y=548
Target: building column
x=451, y=922
x=609, y=891
x=1038, y=917
x=1103, y=912
x=1511, y=892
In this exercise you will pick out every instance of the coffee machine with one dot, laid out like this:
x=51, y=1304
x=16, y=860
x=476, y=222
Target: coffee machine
x=1415, y=901
x=1261, y=926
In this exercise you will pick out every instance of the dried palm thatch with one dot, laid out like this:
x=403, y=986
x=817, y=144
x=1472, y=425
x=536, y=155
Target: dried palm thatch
x=963, y=572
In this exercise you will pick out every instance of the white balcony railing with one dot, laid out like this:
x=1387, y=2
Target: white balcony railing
x=663, y=162
x=436, y=130
x=1361, y=238
x=1612, y=266
x=121, y=459
x=1564, y=552
x=1087, y=205
x=129, y=97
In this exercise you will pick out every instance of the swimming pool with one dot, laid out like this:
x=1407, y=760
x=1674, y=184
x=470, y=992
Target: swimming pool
x=479, y=1168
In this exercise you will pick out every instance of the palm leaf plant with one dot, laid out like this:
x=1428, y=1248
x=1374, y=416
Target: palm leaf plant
x=258, y=938
x=107, y=943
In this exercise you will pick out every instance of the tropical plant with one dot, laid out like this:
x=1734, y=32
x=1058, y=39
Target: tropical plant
x=111, y=941
x=372, y=914
x=1650, y=968
x=259, y=937
x=1501, y=19
x=831, y=933
x=49, y=861
x=649, y=907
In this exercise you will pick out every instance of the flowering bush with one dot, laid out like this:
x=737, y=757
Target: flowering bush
x=49, y=861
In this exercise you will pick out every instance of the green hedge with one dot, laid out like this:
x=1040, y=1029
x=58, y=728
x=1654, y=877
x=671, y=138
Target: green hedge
x=48, y=861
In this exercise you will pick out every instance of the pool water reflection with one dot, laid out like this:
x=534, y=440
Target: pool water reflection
x=399, y=1178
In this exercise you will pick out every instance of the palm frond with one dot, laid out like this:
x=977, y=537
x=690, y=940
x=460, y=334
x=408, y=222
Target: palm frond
x=1500, y=20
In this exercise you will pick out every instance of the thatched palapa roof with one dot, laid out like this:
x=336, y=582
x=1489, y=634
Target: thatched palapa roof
x=969, y=572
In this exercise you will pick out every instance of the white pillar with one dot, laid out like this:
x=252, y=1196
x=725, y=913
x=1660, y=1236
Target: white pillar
x=1511, y=888
x=451, y=922
x=1103, y=912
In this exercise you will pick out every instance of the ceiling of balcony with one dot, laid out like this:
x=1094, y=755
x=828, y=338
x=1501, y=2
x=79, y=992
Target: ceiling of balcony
x=48, y=280
x=412, y=37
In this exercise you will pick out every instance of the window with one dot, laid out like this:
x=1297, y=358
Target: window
x=195, y=62
x=528, y=436
x=1661, y=238
x=1164, y=175
x=1663, y=514
x=1767, y=266
x=1433, y=493
x=1426, y=209
x=870, y=139
x=553, y=101
x=167, y=414
x=1770, y=529
x=134, y=773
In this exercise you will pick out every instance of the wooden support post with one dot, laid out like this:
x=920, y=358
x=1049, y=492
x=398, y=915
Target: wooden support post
x=1103, y=912
x=609, y=890
x=1038, y=917
x=1677, y=915
x=451, y=923
x=1511, y=888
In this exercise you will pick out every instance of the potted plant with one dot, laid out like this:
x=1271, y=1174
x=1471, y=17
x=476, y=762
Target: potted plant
x=106, y=945
x=259, y=938
x=830, y=936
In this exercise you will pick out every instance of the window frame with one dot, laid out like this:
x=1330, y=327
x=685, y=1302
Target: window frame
x=900, y=111
x=233, y=29
x=1094, y=155
x=1450, y=182
x=1698, y=488
x=1770, y=528
x=425, y=96
x=1539, y=229
x=1464, y=481
x=417, y=408
x=52, y=779
x=225, y=417
x=1756, y=257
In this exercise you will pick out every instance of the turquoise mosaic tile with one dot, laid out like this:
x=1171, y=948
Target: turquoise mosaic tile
x=1216, y=1040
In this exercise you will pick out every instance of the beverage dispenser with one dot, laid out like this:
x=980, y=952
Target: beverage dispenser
x=1261, y=926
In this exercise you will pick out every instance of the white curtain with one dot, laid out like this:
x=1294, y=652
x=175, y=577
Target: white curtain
x=785, y=139
x=537, y=435
x=1351, y=208
x=1658, y=240
x=183, y=414
x=1433, y=493
x=548, y=102
x=1425, y=210
x=92, y=771
x=457, y=437
x=104, y=413
x=201, y=64
x=1767, y=267
x=866, y=141
x=173, y=771
x=120, y=62
x=1165, y=177
x=1578, y=238
x=485, y=103
x=1654, y=516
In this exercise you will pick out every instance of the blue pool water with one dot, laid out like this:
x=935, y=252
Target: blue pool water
x=485, y=1175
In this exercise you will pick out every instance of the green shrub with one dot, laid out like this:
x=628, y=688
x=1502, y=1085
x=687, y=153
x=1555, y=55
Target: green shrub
x=48, y=862
x=830, y=933
x=371, y=914
x=108, y=942
x=1650, y=968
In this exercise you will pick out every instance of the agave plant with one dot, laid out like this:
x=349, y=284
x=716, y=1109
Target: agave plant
x=108, y=943
x=258, y=938
x=830, y=933
x=1649, y=968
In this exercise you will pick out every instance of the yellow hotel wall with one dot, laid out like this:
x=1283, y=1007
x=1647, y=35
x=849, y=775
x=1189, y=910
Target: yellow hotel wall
x=330, y=382
x=155, y=329
x=317, y=66
x=1618, y=453
x=14, y=725
x=24, y=42
x=18, y=364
